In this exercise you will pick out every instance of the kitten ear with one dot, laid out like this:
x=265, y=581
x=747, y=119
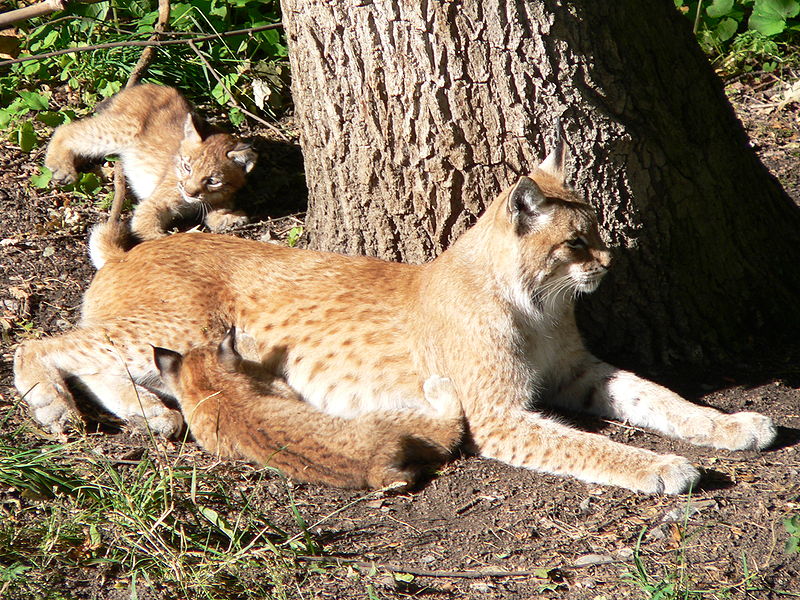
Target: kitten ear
x=244, y=156
x=226, y=351
x=168, y=363
x=555, y=162
x=190, y=133
x=526, y=204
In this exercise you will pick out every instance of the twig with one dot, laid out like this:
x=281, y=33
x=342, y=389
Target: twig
x=36, y=10
x=419, y=572
x=140, y=43
x=148, y=54
x=233, y=100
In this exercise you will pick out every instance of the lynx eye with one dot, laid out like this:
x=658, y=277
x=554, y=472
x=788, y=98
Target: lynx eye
x=577, y=243
x=185, y=166
x=213, y=182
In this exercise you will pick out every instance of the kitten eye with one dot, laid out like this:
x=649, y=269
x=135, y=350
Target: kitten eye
x=213, y=182
x=185, y=166
x=577, y=243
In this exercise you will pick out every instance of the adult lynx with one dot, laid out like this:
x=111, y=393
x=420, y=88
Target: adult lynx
x=238, y=408
x=171, y=164
x=493, y=313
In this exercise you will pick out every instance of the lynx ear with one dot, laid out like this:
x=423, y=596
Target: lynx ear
x=554, y=163
x=226, y=351
x=168, y=363
x=190, y=133
x=244, y=156
x=526, y=204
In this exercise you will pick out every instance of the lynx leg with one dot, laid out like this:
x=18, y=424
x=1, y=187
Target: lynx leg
x=151, y=218
x=88, y=357
x=607, y=391
x=526, y=439
x=94, y=137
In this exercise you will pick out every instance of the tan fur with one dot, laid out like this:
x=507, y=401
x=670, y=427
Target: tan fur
x=168, y=164
x=494, y=314
x=238, y=409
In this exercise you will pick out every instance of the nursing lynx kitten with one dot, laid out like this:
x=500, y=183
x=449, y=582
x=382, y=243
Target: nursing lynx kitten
x=170, y=164
x=493, y=313
x=237, y=408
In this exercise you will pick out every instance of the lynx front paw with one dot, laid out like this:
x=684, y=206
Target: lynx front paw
x=744, y=431
x=669, y=474
x=167, y=424
x=51, y=406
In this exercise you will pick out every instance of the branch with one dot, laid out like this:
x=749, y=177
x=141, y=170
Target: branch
x=418, y=572
x=120, y=188
x=140, y=43
x=36, y=10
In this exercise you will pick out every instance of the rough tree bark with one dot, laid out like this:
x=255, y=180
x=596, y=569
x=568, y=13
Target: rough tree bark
x=413, y=115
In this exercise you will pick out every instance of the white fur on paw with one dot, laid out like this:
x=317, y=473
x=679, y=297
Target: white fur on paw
x=672, y=475
x=441, y=395
x=747, y=431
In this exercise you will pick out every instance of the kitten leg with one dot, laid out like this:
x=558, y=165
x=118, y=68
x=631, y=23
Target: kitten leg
x=224, y=218
x=604, y=390
x=526, y=439
x=153, y=216
x=88, y=357
x=94, y=137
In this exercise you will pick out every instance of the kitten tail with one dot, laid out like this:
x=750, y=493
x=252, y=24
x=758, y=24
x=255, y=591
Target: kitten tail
x=110, y=241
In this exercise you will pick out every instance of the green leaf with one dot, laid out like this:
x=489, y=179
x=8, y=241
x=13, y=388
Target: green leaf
x=51, y=118
x=769, y=16
x=42, y=180
x=719, y=8
x=26, y=136
x=217, y=521
x=726, y=29
x=236, y=117
x=34, y=100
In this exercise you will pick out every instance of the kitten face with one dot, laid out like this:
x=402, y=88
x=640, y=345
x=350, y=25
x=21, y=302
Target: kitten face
x=211, y=170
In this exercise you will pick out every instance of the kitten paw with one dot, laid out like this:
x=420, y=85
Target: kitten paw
x=62, y=174
x=51, y=407
x=671, y=474
x=168, y=424
x=219, y=220
x=744, y=431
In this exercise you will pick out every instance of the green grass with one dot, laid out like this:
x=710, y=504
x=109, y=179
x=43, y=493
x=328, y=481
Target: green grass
x=157, y=521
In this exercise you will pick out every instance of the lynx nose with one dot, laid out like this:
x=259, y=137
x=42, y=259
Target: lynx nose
x=603, y=258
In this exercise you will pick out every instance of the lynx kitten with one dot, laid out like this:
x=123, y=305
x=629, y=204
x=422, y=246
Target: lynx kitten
x=172, y=165
x=493, y=313
x=239, y=409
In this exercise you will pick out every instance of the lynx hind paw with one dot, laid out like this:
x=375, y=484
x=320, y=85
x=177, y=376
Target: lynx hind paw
x=405, y=461
x=441, y=394
x=671, y=475
x=746, y=431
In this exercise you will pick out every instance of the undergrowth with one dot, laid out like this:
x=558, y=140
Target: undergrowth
x=158, y=522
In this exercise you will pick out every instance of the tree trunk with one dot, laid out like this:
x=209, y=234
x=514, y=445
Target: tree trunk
x=413, y=115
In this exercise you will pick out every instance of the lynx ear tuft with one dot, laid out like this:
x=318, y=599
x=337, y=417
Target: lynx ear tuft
x=244, y=156
x=226, y=351
x=526, y=204
x=168, y=362
x=555, y=162
x=190, y=133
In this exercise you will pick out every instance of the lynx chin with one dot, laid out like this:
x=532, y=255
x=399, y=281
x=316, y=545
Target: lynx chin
x=493, y=314
x=176, y=165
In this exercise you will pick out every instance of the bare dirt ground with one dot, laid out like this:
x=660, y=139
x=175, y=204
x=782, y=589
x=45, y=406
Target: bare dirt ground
x=468, y=532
